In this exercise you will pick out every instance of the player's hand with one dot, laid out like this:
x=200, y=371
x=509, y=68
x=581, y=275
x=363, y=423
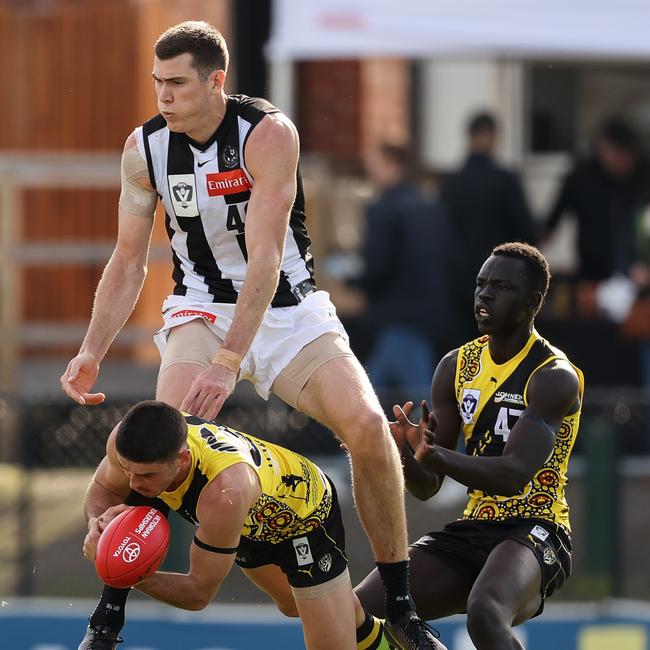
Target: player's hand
x=405, y=431
x=96, y=526
x=209, y=391
x=428, y=452
x=79, y=377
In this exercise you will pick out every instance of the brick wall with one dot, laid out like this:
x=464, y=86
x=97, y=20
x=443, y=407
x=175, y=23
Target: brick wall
x=344, y=107
x=78, y=78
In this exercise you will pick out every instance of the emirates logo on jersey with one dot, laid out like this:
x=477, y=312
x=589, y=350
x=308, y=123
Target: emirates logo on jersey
x=223, y=183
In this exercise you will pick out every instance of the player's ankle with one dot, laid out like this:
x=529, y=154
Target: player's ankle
x=395, y=576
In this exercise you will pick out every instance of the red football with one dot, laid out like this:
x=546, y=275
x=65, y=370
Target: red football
x=132, y=546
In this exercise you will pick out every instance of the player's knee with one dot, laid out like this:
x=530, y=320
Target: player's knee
x=366, y=432
x=289, y=610
x=484, y=613
x=197, y=603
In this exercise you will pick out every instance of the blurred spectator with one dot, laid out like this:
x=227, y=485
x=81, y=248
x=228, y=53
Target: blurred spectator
x=605, y=193
x=486, y=206
x=405, y=274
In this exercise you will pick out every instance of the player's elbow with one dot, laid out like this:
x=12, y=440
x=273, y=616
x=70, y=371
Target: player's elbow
x=267, y=259
x=199, y=597
x=197, y=602
x=131, y=266
x=514, y=481
x=284, y=195
x=421, y=495
x=423, y=492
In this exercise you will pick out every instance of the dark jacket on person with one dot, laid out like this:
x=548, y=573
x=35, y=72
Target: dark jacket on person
x=406, y=260
x=606, y=210
x=486, y=206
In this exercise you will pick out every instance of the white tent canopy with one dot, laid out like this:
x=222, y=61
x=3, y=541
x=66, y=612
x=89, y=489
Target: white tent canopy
x=327, y=29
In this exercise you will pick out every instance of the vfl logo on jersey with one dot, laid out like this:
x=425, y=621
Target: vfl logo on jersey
x=469, y=404
x=230, y=157
x=232, y=182
x=512, y=398
x=183, y=193
x=303, y=552
x=182, y=190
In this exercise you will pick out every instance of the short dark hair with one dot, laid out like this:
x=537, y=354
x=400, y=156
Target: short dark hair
x=483, y=122
x=204, y=42
x=620, y=134
x=537, y=269
x=151, y=432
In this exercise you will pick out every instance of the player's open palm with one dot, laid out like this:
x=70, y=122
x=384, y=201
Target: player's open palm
x=79, y=377
x=209, y=391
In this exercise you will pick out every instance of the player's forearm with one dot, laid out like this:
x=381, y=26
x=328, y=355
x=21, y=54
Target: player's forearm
x=177, y=589
x=261, y=283
x=117, y=293
x=495, y=475
x=98, y=500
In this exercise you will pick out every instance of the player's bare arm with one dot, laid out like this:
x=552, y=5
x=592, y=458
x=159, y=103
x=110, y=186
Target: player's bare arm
x=122, y=279
x=221, y=511
x=272, y=158
x=104, y=499
x=553, y=392
x=422, y=481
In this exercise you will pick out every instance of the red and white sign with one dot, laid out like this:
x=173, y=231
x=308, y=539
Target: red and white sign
x=227, y=183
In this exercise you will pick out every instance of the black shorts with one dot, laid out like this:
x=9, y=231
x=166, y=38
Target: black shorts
x=308, y=560
x=466, y=544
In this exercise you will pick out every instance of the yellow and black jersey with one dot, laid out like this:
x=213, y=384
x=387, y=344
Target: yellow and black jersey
x=296, y=496
x=490, y=398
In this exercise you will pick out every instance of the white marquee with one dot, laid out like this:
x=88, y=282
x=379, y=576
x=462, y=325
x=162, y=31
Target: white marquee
x=326, y=29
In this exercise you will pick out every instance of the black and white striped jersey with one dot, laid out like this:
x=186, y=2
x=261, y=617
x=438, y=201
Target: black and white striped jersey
x=205, y=190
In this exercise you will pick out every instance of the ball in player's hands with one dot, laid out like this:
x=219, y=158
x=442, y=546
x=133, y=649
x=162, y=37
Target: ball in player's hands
x=132, y=546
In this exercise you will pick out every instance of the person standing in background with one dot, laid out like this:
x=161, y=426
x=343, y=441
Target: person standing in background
x=486, y=206
x=605, y=193
x=405, y=261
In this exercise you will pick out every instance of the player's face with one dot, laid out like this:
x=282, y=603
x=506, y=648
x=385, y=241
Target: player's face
x=150, y=479
x=502, y=299
x=183, y=98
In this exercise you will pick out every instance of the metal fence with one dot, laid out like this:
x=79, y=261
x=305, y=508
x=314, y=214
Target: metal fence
x=51, y=446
